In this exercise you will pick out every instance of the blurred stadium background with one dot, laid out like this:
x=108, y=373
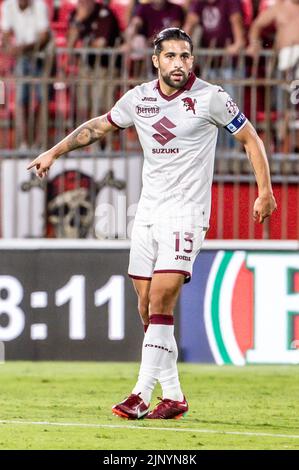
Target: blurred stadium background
x=64, y=293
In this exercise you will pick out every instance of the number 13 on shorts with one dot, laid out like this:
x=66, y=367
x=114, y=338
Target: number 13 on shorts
x=183, y=241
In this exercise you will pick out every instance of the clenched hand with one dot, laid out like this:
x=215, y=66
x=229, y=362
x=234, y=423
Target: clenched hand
x=263, y=207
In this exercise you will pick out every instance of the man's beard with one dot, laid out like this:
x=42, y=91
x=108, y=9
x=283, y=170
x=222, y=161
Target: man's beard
x=173, y=84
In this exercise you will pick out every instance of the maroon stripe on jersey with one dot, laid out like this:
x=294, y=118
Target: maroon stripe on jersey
x=112, y=122
x=161, y=319
x=185, y=273
x=188, y=85
x=190, y=81
x=139, y=277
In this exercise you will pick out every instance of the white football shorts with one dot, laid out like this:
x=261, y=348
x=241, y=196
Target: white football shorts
x=170, y=247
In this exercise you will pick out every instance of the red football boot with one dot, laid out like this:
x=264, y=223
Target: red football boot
x=132, y=407
x=169, y=409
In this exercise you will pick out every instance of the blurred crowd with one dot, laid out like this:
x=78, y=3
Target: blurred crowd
x=29, y=25
x=238, y=26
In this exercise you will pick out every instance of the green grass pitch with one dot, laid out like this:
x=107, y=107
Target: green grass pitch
x=255, y=407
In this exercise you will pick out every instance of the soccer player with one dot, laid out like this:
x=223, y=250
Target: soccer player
x=177, y=119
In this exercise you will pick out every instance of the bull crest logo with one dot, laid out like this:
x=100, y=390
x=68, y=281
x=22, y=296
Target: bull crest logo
x=189, y=104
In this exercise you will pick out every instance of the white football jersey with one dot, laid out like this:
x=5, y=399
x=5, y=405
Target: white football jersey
x=178, y=135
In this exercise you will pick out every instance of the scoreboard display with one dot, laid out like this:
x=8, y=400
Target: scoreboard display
x=68, y=304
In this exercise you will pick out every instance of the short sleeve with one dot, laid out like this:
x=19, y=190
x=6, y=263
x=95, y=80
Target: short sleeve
x=6, y=18
x=121, y=114
x=42, y=17
x=195, y=7
x=234, y=6
x=224, y=112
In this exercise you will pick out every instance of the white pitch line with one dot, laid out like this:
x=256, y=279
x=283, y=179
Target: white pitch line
x=118, y=426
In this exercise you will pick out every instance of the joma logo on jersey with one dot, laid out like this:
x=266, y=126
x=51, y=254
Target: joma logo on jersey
x=162, y=127
x=189, y=104
x=149, y=98
x=147, y=111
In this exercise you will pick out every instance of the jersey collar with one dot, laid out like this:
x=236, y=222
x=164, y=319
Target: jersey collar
x=188, y=85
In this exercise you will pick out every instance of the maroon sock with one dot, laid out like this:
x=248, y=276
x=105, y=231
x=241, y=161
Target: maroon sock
x=161, y=319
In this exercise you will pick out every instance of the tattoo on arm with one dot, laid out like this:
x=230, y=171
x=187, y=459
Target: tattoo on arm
x=86, y=134
x=83, y=136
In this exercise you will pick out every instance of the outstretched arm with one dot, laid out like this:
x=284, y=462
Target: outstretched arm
x=86, y=134
x=265, y=204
